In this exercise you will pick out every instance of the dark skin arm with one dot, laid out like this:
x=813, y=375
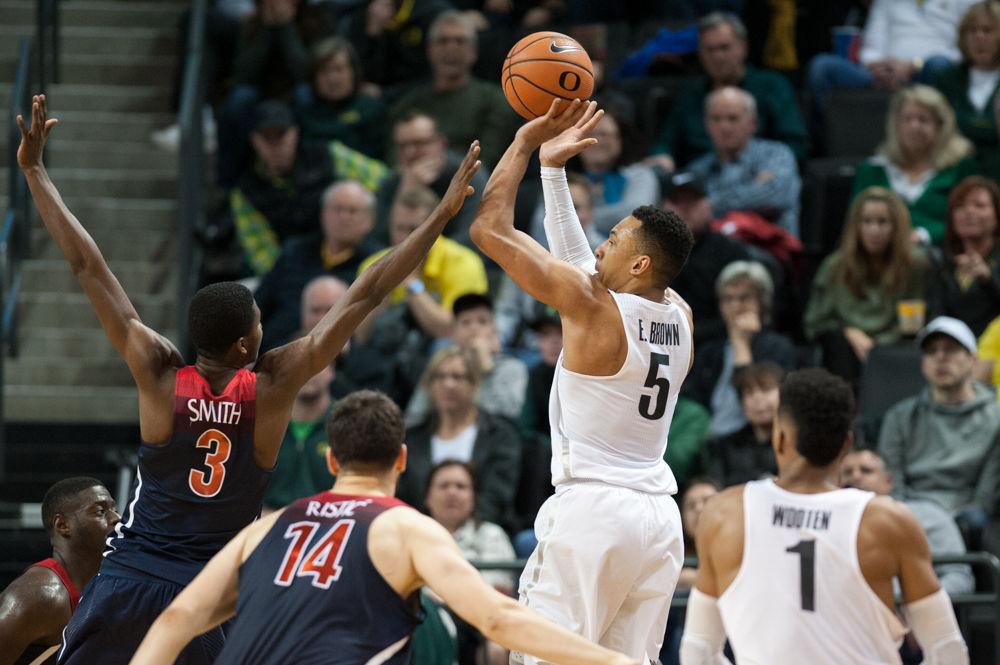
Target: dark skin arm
x=34, y=609
x=151, y=358
x=283, y=371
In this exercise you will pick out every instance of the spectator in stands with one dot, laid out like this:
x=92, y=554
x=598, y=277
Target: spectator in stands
x=465, y=108
x=318, y=297
x=855, y=293
x=904, y=41
x=743, y=173
x=504, y=379
x=944, y=444
x=389, y=36
x=688, y=435
x=746, y=454
x=865, y=470
x=456, y=428
x=301, y=468
x=722, y=49
x=988, y=368
x=711, y=253
x=922, y=157
x=966, y=279
x=745, y=291
x=971, y=86
x=77, y=514
x=337, y=250
x=423, y=159
x=449, y=270
x=279, y=195
x=338, y=109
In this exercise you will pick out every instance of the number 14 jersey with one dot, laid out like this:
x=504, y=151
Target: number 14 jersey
x=193, y=494
x=614, y=428
x=800, y=595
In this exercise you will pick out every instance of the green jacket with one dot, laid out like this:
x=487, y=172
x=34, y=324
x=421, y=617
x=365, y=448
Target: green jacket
x=688, y=433
x=979, y=126
x=931, y=208
x=301, y=467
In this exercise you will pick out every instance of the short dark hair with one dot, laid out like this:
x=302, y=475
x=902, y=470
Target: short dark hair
x=219, y=314
x=767, y=374
x=822, y=407
x=667, y=239
x=60, y=497
x=365, y=431
x=444, y=464
x=468, y=301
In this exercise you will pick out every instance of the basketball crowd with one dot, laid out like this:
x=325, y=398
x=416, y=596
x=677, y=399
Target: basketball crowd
x=337, y=125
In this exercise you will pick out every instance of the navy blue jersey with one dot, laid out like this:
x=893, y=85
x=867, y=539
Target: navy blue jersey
x=309, y=593
x=193, y=494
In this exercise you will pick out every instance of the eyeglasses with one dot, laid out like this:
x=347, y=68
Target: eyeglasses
x=416, y=143
x=454, y=376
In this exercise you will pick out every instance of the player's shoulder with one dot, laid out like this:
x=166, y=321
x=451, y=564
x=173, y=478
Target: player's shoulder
x=722, y=509
x=891, y=519
x=37, y=591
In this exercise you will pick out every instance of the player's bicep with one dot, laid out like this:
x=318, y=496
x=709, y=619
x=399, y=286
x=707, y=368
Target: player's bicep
x=29, y=617
x=916, y=571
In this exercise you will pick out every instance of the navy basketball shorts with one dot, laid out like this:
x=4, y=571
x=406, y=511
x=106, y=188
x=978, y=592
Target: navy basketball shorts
x=112, y=619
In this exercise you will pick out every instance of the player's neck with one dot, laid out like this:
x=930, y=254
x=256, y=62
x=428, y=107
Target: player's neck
x=80, y=568
x=217, y=372
x=364, y=485
x=803, y=478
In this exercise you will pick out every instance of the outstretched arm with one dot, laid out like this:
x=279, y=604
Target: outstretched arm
x=293, y=364
x=537, y=272
x=114, y=310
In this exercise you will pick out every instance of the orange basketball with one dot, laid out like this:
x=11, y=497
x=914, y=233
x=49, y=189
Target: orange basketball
x=543, y=66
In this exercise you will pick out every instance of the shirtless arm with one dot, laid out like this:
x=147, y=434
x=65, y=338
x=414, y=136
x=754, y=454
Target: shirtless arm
x=34, y=609
x=146, y=353
x=209, y=600
x=439, y=563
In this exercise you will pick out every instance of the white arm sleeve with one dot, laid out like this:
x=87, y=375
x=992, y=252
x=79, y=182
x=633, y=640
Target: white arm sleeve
x=567, y=241
x=704, y=634
x=932, y=620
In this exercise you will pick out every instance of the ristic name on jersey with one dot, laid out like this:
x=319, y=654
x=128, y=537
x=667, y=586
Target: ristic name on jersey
x=660, y=333
x=331, y=509
x=223, y=413
x=800, y=518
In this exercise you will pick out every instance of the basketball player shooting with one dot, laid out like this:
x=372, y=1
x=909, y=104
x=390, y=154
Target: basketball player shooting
x=609, y=540
x=821, y=558
x=211, y=430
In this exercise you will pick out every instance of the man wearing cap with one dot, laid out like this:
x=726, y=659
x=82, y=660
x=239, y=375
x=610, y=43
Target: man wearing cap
x=944, y=444
x=279, y=195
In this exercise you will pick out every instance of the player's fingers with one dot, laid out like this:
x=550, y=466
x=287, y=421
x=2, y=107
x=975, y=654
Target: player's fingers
x=593, y=121
x=49, y=124
x=553, y=108
x=21, y=126
x=469, y=190
x=587, y=114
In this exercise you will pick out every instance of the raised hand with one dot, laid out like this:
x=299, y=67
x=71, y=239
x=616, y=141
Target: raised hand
x=571, y=142
x=29, y=153
x=560, y=117
x=460, y=188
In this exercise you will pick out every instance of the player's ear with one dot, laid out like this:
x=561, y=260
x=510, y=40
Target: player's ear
x=60, y=525
x=400, y=465
x=331, y=462
x=640, y=264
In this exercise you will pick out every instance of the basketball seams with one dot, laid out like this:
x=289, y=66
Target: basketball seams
x=539, y=62
x=535, y=85
x=557, y=60
x=520, y=101
x=545, y=35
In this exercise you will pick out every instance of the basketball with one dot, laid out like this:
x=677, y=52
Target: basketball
x=543, y=66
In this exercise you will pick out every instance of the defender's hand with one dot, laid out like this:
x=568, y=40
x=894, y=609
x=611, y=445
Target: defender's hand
x=460, y=188
x=29, y=153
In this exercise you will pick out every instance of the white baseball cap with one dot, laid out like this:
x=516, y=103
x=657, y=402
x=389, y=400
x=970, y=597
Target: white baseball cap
x=952, y=327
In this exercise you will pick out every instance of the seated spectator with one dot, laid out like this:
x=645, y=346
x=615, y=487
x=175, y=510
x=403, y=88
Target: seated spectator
x=971, y=86
x=856, y=290
x=988, y=367
x=746, y=454
x=687, y=437
x=922, y=158
x=722, y=50
x=318, y=297
x=279, y=196
x=942, y=444
x=865, y=470
x=301, y=468
x=449, y=270
x=458, y=429
x=620, y=184
x=338, y=109
x=422, y=159
x=965, y=282
x=743, y=173
x=711, y=253
x=345, y=222
x=745, y=293
x=452, y=50
x=903, y=41
x=504, y=379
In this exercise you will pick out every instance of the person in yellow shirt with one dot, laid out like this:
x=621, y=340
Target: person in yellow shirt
x=987, y=366
x=449, y=271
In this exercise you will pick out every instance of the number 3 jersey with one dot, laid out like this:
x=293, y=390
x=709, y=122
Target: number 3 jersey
x=800, y=595
x=193, y=494
x=310, y=595
x=614, y=428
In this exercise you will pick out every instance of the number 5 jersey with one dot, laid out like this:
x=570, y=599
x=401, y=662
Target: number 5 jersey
x=614, y=428
x=193, y=494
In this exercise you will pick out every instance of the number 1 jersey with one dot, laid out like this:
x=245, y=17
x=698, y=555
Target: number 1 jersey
x=614, y=428
x=193, y=494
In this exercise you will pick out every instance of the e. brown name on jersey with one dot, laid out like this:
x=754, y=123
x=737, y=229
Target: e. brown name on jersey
x=223, y=413
x=660, y=333
x=799, y=518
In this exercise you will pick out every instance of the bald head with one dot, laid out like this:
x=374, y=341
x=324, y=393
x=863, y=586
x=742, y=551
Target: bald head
x=730, y=119
x=321, y=294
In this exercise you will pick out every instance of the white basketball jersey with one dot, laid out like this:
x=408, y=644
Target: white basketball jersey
x=614, y=428
x=799, y=596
